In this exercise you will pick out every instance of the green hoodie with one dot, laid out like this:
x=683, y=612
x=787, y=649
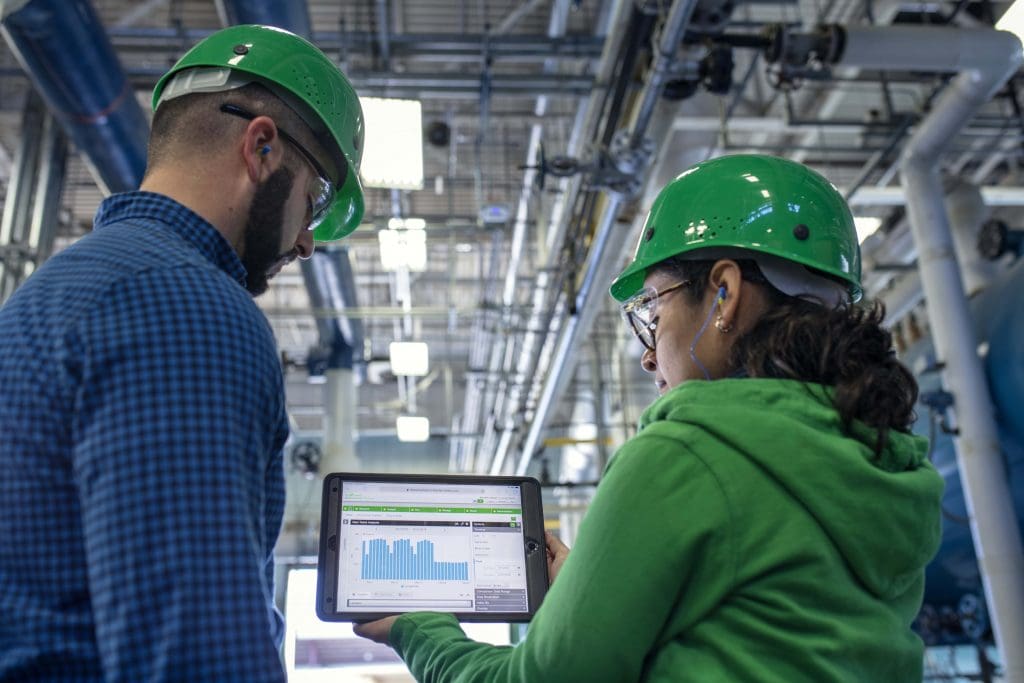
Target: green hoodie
x=740, y=536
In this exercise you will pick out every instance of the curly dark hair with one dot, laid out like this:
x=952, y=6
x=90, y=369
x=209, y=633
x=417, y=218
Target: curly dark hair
x=845, y=348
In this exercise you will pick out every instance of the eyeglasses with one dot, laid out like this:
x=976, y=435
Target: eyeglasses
x=639, y=311
x=320, y=192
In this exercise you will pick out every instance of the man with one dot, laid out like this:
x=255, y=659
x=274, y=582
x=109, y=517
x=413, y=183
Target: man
x=142, y=411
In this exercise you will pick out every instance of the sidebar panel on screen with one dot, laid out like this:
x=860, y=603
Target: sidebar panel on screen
x=442, y=547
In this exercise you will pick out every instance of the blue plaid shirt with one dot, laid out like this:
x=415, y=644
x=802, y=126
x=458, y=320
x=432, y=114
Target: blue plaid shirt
x=142, y=419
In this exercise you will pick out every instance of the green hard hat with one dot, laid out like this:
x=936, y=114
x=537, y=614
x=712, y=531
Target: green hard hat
x=296, y=70
x=753, y=202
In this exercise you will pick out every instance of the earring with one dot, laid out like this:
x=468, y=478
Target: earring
x=722, y=326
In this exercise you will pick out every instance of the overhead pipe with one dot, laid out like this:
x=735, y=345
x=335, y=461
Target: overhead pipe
x=549, y=297
x=494, y=390
x=584, y=126
x=286, y=14
x=609, y=243
x=64, y=49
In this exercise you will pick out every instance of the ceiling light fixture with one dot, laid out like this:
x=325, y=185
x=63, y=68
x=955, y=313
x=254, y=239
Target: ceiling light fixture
x=393, y=149
x=412, y=428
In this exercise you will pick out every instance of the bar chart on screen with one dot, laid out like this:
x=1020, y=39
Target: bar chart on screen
x=403, y=560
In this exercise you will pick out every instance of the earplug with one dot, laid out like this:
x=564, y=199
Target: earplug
x=721, y=294
x=265, y=150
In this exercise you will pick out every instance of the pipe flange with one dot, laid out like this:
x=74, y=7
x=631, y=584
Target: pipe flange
x=629, y=159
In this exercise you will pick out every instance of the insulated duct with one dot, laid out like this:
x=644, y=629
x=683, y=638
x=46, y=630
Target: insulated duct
x=66, y=53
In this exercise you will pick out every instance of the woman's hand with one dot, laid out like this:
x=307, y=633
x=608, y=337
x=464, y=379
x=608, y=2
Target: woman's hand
x=377, y=631
x=557, y=554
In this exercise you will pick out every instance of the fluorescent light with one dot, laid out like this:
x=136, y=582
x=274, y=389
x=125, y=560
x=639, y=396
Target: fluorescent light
x=1013, y=20
x=393, y=148
x=412, y=428
x=403, y=249
x=866, y=226
x=409, y=358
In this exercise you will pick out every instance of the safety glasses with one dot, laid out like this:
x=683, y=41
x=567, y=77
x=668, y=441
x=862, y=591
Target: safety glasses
x=320, y=192
x=640, y=311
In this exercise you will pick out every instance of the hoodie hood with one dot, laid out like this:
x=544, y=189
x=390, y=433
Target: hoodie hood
x=881, y=512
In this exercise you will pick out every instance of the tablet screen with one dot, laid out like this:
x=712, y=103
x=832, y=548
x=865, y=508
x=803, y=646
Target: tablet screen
x=445, y=547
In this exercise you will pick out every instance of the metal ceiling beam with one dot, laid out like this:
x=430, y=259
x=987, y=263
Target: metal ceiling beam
x=897, y=196
x=448, y=46
x=419, y=85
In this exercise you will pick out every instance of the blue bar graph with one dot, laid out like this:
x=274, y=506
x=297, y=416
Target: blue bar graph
x=403, y=562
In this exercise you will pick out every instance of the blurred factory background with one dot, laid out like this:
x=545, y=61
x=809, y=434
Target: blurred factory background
x=466, y=326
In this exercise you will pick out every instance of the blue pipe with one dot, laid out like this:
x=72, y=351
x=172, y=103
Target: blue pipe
x=286, y=14
x=331, y=285
x=998, y=318
x=68, y=56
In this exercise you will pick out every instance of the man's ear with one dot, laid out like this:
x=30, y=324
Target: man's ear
x=261, y=149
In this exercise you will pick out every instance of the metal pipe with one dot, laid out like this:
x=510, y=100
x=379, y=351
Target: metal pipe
x=671, y=37
x=18, y=202
x=332, y=292
x=873, y=195
x=608, y=244
x=383, y=33
x=986, y=60
x=542, y=308
x=603, y=261
x=286, y=14
x=63, y=47
x=935, y=49
x=502, y=356
x=53, y=155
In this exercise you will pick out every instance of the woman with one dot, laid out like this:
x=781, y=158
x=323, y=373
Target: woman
x=773, y=516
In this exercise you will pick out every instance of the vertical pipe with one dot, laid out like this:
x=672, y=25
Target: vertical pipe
x=994, y=527
x=18, y=202
x=53, y=156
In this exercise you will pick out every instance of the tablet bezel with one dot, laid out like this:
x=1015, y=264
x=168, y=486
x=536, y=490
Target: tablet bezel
x=533, y=540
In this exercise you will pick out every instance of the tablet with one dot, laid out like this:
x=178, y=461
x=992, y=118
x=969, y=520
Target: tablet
x=471, y=546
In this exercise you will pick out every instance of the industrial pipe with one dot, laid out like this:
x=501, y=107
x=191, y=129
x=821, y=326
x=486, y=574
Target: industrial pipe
x=986, y=60
x=607, y=249
x=64, y=49
x=286, y=14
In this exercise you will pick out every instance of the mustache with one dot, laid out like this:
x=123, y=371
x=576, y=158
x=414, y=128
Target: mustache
x=288, y=256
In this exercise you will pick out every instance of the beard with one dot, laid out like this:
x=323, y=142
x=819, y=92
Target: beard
x=263, y=230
